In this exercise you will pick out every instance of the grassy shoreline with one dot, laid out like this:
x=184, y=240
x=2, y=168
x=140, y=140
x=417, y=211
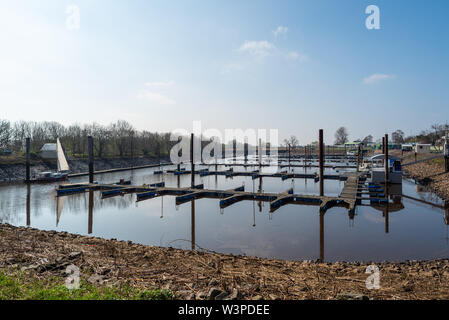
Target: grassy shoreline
x=126, y=270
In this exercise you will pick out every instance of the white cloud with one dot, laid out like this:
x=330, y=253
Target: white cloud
x=293, y=55
x=258, y=49
x=280, y=30
x=155, y=97
x=160, y=84
x=377, y=77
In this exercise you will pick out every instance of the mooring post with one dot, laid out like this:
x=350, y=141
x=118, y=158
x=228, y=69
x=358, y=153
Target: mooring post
x=305, y=155
x=386, y=162
x=234, y=150
x=90, y=150
x=446, y=154
x=191, y=161
x=321, y=161
x=383, y=145
x=358, y=157
x=27, y=164
x=245, y=151
x=289, y=157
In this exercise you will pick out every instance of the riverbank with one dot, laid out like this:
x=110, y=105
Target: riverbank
x=206, y=275
x=431, y=174
x=15, y=171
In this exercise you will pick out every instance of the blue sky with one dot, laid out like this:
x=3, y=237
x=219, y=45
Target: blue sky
x=293, y=65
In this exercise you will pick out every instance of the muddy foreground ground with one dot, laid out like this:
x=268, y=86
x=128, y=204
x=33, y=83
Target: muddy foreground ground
x=208, y=275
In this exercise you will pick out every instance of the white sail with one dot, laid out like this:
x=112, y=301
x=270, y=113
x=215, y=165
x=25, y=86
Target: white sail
x=62, y=161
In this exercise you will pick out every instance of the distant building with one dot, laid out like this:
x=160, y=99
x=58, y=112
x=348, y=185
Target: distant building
x=407, y=147
x=5, y=152
x=422, y=148
x=48, y=151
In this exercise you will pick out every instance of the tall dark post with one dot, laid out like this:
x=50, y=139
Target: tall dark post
x=191, y=161
x=234, y=150
x=446, y=155
x=386, y=162
x=383, y=145
x=321, y=161
x=245, y=151
x=27, y=165
x=90, y=149
x=358, y=157
x=289, y=157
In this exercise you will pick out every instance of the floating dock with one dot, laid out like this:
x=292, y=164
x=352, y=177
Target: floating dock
x=350, y=196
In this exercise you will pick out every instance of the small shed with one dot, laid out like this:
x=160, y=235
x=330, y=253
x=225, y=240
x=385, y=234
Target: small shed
x=48, y=151
x=422, y=148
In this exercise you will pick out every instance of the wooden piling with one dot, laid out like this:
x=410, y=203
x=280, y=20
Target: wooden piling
x=191, y=161
x=446, y=155
x=90, y=150
x=27, y=164
x=289, y=147
x=321, y=161
x=358, y=157
x=386, y=161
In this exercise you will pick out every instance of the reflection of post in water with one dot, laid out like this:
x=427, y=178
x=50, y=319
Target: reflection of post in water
x=162, y=207
x=446, y=222
x=254, y=214
x=322, y=236
x=91, y=210
x=28, y=204
x=260, y=191
x=192, y=223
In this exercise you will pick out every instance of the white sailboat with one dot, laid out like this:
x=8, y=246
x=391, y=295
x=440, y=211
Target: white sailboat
x=63, y=167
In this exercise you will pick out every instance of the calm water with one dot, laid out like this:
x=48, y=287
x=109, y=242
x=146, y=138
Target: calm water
x=418, y=231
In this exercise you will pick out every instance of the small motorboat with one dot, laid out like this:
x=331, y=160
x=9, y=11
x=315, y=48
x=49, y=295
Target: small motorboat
x=63, y=168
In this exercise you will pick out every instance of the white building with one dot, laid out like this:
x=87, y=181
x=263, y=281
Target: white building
x=48, y=151
x=422, y=148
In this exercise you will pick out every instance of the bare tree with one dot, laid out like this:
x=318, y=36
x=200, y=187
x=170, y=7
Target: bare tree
x=292, y=142
x=398, y=136
x=341, y=136
x=367, y=139
x=5, y=133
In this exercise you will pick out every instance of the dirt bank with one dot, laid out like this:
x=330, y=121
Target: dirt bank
x=202, y=275
x=16, y=171
x=432, y=174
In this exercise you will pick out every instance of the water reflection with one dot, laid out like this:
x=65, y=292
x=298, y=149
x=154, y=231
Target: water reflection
x=290, y=233
x=28, y=205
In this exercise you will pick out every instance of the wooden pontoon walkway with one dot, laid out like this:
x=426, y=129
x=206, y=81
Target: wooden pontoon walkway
x=284, y=175
x=347, y=199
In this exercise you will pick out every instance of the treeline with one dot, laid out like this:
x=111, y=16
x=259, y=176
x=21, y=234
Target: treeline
x=432, y=136
x=119, y=139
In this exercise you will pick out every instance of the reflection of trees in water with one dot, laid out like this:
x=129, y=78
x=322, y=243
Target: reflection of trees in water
x=424, y=193
x=79, y=203
x=13, y=203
